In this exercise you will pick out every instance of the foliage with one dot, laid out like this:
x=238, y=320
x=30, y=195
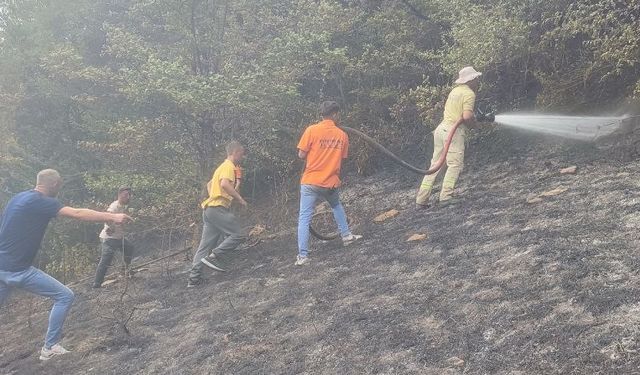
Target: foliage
x=147, y=92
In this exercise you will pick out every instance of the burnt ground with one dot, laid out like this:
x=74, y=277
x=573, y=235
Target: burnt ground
x=505, y=286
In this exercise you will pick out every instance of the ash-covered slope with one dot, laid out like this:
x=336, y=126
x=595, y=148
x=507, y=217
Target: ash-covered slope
x=499, y=286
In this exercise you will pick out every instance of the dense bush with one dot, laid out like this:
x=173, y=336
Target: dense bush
x=147, y=92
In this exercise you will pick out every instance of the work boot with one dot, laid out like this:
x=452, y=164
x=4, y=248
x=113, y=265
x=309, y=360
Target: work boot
x=449, y=202
x=214, y=262
x=422, y=206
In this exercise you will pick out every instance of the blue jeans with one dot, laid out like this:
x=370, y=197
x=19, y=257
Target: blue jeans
x=37, y=282
x=309, y=194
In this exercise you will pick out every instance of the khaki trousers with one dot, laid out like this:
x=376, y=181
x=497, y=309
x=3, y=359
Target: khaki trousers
x=455, y=163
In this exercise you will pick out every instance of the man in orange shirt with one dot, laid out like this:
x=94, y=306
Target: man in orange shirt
x=323, y=146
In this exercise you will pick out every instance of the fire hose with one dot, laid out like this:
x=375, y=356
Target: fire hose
x=435, y=167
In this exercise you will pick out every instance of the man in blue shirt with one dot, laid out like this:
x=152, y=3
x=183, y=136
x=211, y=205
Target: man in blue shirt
x=24, y=222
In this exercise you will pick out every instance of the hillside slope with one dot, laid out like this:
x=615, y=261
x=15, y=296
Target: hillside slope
x=502, y=285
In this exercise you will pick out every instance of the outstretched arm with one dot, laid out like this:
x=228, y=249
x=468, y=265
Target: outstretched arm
x=85, y=214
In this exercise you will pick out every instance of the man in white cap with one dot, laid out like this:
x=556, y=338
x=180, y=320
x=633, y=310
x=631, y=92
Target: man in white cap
x=457, y=110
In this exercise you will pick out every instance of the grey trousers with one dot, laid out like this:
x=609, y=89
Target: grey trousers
x=110, y=247
x=221, y=235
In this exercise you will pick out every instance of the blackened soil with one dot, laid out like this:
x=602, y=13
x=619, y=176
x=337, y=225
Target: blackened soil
x=506, y=286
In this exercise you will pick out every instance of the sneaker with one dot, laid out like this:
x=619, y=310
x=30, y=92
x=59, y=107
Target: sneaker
x=193, y=283
x=422, y=206
x=96, y=286
x=301, y=260
x=348, y=240
x=57, y=349
x=213, y=262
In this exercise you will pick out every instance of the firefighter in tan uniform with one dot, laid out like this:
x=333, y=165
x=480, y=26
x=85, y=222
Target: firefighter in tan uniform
x=457, y=110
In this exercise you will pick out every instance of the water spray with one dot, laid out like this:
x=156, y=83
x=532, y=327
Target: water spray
x=583, y=128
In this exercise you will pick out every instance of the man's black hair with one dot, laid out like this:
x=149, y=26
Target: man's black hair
x=329, y=108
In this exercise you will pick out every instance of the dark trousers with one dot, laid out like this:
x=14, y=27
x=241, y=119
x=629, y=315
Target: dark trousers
x=111, y=246
x=221, y=234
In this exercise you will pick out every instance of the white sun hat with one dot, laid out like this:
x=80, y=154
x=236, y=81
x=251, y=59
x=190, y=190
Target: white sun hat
x=467, y=74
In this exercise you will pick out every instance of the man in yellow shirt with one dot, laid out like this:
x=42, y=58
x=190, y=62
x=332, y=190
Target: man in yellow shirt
x=457, y=110
x=221, y=230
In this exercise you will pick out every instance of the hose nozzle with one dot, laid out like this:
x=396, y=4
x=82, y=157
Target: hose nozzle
x=485, y=117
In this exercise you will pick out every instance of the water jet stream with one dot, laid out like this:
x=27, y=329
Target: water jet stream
x=584, y=128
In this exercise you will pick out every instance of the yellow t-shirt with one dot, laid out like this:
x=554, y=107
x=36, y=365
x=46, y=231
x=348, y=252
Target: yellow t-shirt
x=460, y=99
x=217, y=196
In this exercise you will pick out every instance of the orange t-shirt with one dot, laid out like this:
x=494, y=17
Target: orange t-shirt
x=326, y=145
